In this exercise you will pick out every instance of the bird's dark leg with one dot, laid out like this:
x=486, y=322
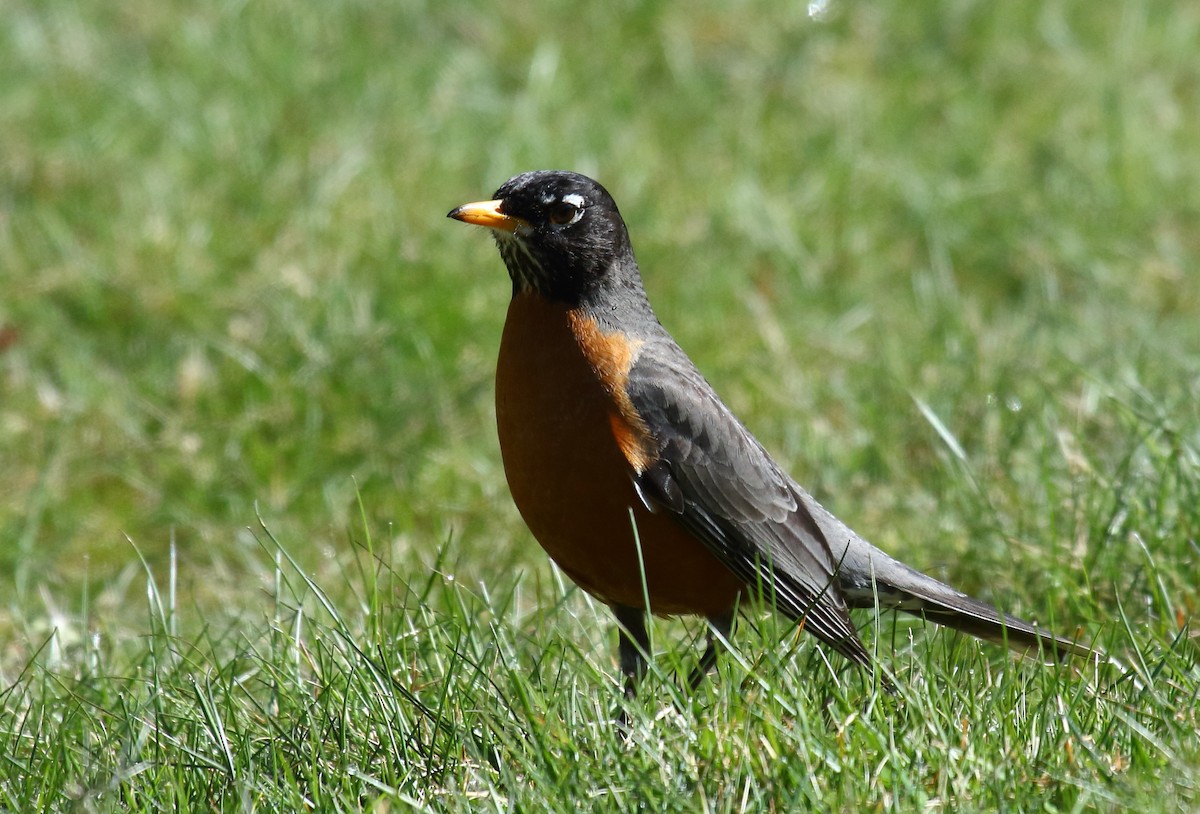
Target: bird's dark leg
x=722, y=625
x=633, y=645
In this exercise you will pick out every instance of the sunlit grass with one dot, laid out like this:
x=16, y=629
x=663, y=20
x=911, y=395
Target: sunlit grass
x=941, y=260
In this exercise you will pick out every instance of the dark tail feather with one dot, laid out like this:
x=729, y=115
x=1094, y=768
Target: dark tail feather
x=897, y=585
x=985, y=622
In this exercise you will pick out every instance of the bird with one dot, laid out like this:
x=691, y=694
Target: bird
x=636, y=478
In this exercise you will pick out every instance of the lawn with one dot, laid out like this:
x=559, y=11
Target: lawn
x=256, y=548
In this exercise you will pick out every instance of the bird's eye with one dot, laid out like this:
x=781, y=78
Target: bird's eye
x=563, y=213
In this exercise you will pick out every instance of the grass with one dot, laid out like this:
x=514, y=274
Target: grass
x=256, y=551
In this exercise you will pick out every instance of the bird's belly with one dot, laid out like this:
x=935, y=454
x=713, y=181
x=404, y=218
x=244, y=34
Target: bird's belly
x=573, y=485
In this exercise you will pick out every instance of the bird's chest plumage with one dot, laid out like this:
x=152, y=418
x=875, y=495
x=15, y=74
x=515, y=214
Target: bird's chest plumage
x=571, y=443
x=559, y=415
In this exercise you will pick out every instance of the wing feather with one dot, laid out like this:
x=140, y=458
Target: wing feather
x=734, y=498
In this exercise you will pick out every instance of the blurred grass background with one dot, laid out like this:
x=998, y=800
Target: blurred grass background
x=227, y=284
x=228, y=280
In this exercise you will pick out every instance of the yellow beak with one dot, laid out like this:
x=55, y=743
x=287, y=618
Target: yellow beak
x=487, y=213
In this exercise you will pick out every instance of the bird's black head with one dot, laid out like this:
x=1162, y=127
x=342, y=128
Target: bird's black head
x=560, y=235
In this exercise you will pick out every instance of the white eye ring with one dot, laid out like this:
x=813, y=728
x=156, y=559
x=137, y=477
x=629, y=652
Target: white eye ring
x=574, y=201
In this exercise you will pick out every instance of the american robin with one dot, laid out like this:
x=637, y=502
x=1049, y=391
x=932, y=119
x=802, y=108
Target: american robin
x=638, y=480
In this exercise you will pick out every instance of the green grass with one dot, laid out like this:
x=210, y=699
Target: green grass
x=942, y=259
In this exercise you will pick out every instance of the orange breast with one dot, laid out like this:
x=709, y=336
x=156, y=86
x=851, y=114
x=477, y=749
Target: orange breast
x=570, y=442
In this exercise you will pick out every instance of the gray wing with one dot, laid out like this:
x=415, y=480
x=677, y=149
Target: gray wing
x=727, y=491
